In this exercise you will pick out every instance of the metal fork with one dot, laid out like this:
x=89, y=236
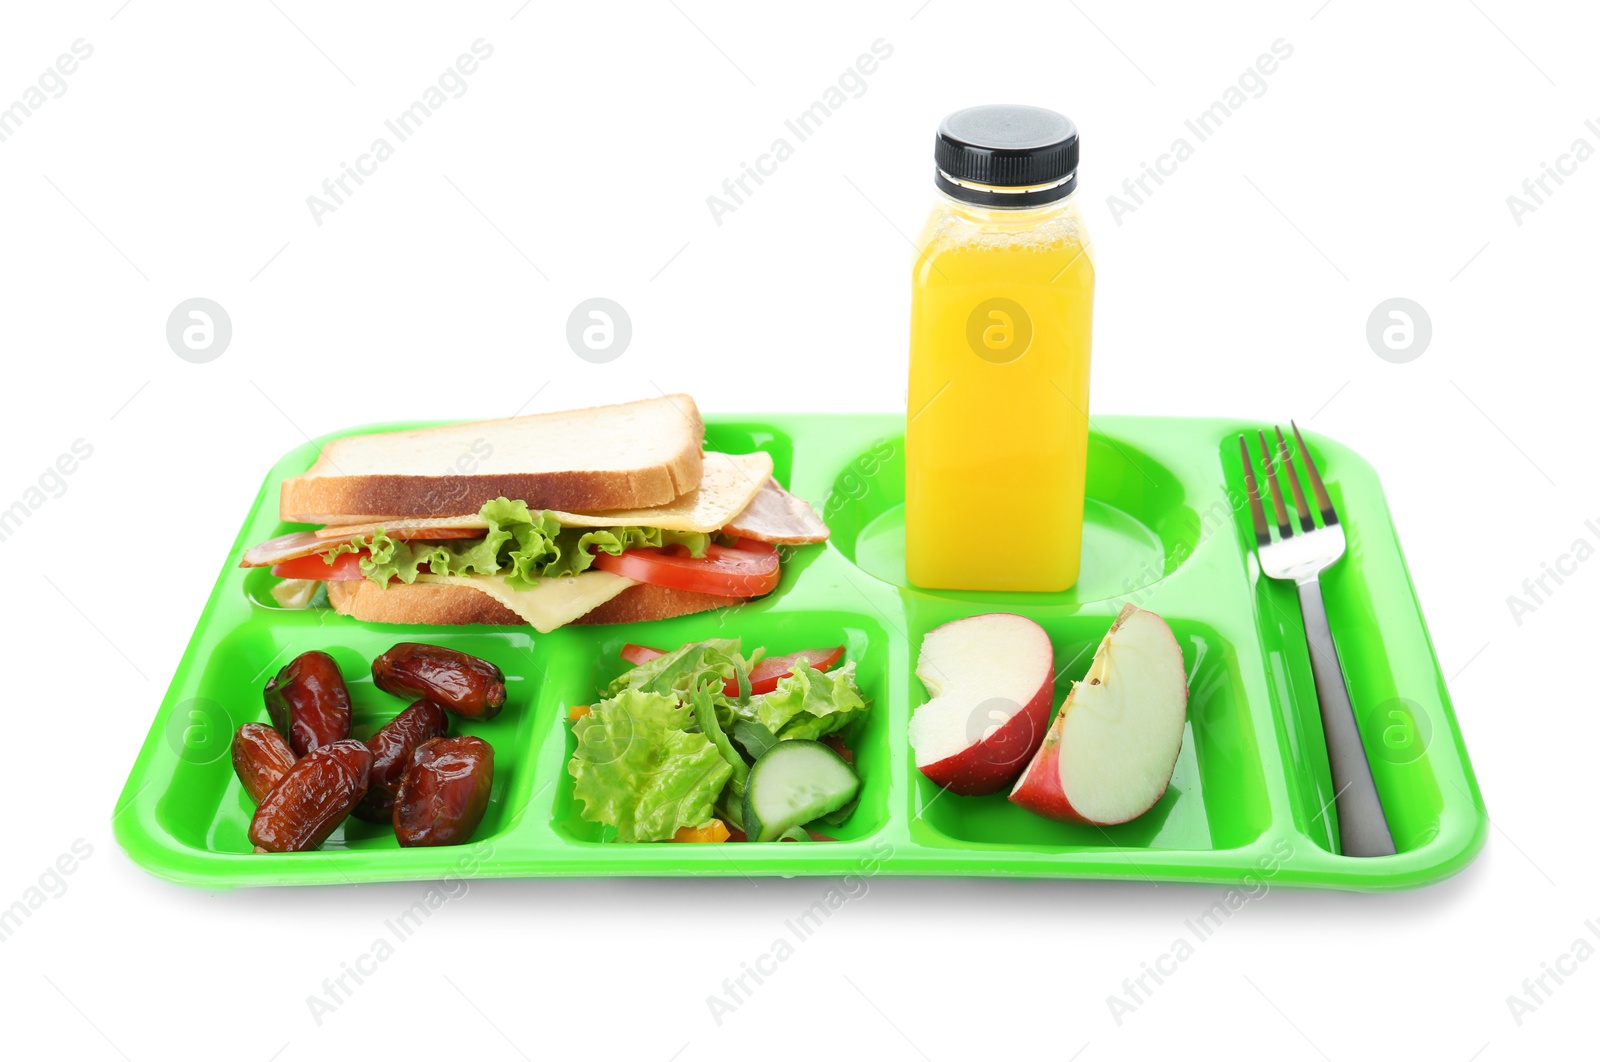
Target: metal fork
x=1363, y=830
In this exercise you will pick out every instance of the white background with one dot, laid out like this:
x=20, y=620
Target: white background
x=1377, y=163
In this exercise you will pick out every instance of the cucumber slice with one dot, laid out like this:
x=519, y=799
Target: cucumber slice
x=793, y=783
x=838, y=818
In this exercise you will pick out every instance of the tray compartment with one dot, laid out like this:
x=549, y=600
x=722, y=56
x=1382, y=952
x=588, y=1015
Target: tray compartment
x=206, y=809
x=1399, y=706
x=1138, y=525
x=748, y=436
x=780, y=632
x=1218, y=798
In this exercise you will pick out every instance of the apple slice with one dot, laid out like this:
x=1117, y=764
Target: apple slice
x=1110, y=753
x=990, y=679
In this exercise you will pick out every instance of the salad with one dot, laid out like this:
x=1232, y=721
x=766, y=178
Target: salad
x=704, y=744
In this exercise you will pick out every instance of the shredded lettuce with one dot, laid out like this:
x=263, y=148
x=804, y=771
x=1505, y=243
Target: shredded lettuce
x=638, y=768
x=522, y=544
x=705, y=716
x=754, y=738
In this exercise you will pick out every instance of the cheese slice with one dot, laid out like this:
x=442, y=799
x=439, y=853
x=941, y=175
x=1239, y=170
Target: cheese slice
x=728, y=482
x=553, y=602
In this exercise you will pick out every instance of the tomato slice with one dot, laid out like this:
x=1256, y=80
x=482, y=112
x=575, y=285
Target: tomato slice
x=638, y=654
x=836, y=743
x=345, y=567
x=764, y=676
x=724, y=571
x=769, y=669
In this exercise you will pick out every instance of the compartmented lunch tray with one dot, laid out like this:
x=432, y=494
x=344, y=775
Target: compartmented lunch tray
x=1166, y=526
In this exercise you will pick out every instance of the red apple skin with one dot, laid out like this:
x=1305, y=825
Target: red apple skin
x=1040, y=791
x=994, y=763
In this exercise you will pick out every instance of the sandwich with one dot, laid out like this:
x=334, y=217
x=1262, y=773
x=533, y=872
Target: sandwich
x=613, y=514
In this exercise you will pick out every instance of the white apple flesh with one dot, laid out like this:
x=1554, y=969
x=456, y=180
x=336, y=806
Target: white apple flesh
x=990, y=679
x=1110, y=753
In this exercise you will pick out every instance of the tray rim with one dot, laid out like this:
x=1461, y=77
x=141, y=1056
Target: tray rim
x=166, y=857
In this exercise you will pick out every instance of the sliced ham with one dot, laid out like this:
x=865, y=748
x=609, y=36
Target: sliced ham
x=284, y=548
x=776, y=516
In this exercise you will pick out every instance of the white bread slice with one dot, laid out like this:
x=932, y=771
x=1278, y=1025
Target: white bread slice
x=444, y=605
x=635, y=455
x=728, y=483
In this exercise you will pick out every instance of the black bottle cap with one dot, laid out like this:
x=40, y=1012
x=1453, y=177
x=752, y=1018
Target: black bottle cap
x=1003, y=147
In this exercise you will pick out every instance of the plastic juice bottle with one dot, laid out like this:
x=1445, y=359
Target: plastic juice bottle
x=997, y=417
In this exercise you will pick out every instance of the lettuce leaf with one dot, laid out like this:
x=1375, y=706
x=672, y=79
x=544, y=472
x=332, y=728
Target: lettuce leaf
x=574, y=545
x=524, y=544
x=639, y=769
x=754, y=738
x=808, y=703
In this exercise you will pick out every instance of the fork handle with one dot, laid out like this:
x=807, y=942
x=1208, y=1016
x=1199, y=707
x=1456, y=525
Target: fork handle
x=1363, y=830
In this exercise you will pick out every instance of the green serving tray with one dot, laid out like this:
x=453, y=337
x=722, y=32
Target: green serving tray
x=1166, y=527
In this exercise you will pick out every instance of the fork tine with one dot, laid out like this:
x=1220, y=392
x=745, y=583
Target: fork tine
x=1258, y=516
x=1284, y=460
x=1285, y=530
x=1324, y=503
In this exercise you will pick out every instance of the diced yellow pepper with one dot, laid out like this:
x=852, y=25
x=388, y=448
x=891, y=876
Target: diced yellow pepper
x=713, y=832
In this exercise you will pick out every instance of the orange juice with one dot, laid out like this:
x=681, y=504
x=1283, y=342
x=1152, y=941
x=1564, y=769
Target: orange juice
x=997, y=415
